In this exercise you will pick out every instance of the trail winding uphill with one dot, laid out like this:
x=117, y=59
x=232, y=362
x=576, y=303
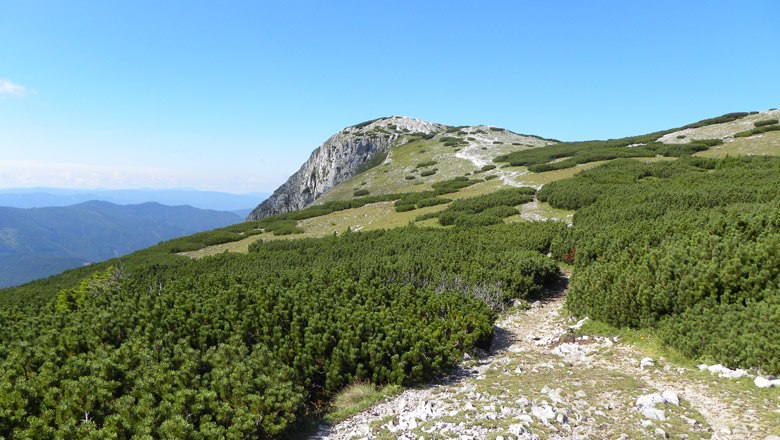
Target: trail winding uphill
x=544, y=379
x=481, y=157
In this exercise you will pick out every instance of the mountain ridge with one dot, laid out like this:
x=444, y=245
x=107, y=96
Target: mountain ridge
x=40, y=197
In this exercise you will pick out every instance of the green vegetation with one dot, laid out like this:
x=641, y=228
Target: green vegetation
x=281, y=227
x=40, y=242
x=367, y=123
x=452, y=185
x=570, y=154
x=489, y=209
x=412, y=201
x=689, y=247
x=373, y=162
x=249, y=345
x=356, y=398
x=427, y=163
x=426, y=173
x=450, y=141
x=243, y=345
x=765, y=122
x=757, y=130
x=422, y=199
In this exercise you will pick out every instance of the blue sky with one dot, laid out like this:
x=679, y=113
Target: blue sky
x=234, y=96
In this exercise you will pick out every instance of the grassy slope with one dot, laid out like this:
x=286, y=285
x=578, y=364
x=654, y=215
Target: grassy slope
x=390, y=178
x=763, y=144
x=404, y=158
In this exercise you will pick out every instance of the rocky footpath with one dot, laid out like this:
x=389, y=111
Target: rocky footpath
x=338, y=159
x=545, y=379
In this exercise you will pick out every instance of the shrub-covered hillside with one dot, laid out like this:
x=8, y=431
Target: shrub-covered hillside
x=690, y=246
x=244, y=345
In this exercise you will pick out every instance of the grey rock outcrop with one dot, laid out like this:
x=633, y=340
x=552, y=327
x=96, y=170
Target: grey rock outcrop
x=338, y=159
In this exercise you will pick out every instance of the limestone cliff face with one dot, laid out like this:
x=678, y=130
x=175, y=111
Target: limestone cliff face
x=338, y=159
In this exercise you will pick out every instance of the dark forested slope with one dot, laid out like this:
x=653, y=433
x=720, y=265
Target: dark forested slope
x=39, y=242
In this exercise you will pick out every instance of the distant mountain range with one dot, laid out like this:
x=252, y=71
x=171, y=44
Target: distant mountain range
x=42, y=197
x=38, y=242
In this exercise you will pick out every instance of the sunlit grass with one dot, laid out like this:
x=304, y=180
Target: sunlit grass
x=763, y=144
x=356, y=398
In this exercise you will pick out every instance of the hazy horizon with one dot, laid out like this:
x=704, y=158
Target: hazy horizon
x=23, y=189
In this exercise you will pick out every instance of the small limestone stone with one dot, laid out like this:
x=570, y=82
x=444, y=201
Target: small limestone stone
x=544, y=413
x=517, y=429
x=660, y=433
x=579, y=323
x=647, y=406
x=763, y=382
x=671, y=397
x=646, y=363
x=722, y=371
x=650, y=400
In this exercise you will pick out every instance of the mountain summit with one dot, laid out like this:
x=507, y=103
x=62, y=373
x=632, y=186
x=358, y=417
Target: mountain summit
x=342, y=156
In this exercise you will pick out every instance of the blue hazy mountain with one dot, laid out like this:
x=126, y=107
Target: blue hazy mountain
x=38, y=242
x=43, y=197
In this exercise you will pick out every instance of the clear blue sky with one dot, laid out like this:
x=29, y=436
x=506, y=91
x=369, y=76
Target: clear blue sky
x=234, y=96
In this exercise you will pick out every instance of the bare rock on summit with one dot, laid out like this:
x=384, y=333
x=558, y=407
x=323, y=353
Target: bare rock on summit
x=338, y=159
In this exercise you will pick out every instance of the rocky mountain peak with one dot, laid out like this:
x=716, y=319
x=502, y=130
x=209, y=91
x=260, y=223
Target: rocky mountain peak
x=399, y=124
x=340, y=157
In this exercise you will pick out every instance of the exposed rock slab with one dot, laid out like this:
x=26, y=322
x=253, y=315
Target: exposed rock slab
x=338, y=159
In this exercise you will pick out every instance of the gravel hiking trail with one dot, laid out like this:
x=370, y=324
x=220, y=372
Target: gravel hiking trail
x=480, y=158
x=545, y=379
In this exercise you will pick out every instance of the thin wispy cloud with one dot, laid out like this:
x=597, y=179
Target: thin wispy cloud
x=13, y=90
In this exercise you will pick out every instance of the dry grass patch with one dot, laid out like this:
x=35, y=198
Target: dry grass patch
x=356, y=398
